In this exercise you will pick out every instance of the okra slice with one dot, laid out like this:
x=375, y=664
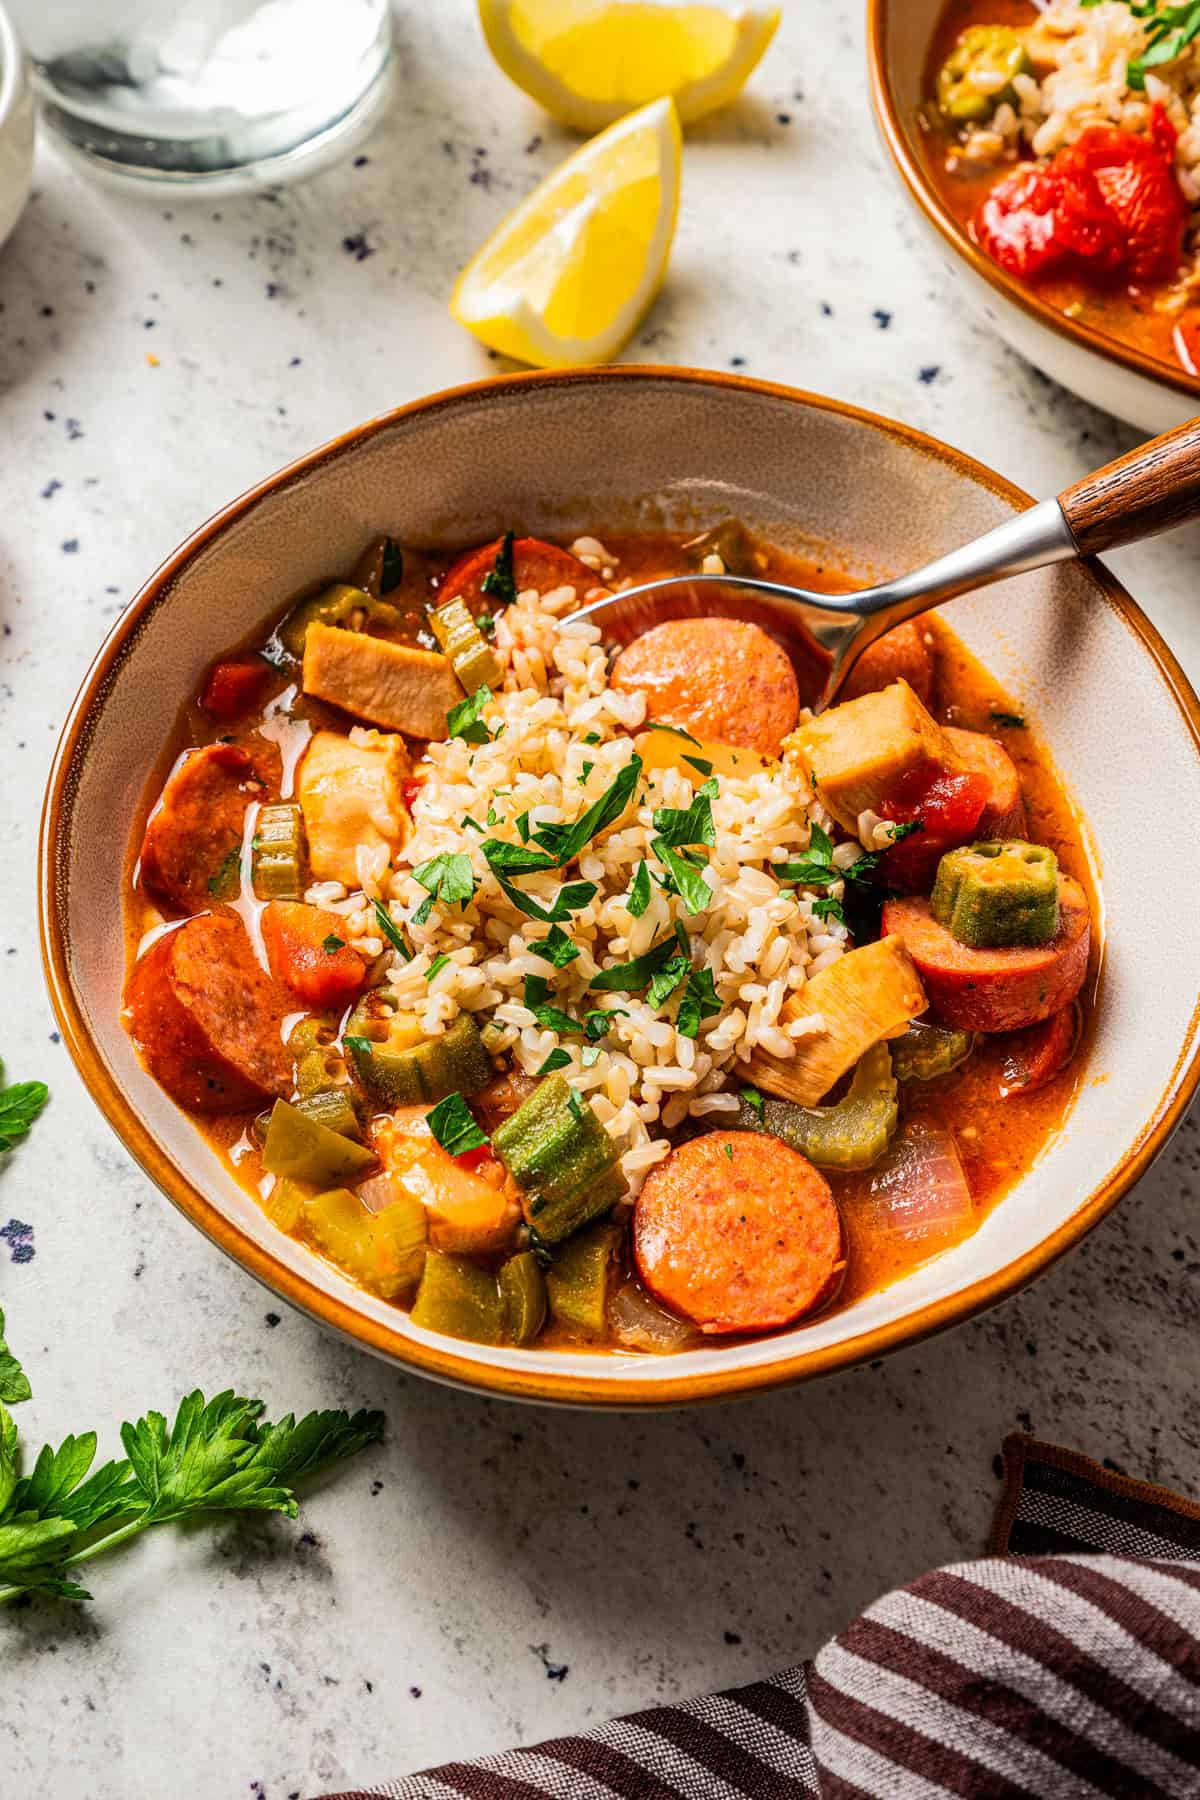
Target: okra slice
x=278, y=855
x=851, y=1135
x=338, y=604
x=407, y=1074
x=385, y=1251
x=318, y=1063
x=470, y=654
x=306, y=1150
x=998, y=894
x=927, y=1051
x=459, y=1299
x=580, y=1280
x=561, y=1158
x=523, y=1296
x=979, y=73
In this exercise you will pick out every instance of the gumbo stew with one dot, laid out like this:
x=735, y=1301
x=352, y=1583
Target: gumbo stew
x=580, y=996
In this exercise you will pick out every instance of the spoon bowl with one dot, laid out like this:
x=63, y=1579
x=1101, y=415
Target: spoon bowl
x=1153, y=488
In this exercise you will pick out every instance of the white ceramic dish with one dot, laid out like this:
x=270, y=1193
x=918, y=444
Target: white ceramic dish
x=623, y=447
x=16, y=127
x=1109, y=373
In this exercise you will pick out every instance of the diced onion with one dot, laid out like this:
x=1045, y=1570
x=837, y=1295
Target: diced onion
x=377, y=1193
x=639, y=1323
x=918, y=1190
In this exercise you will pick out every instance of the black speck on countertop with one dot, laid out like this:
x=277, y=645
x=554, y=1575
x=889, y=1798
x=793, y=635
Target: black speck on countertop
x=272, y=1319
x=358, y=245
x=51, y=488
x=733, y=1637
x=826, y=310
x=929, y=373
x=70, y=546
x=19, y=1238
x=882, y=317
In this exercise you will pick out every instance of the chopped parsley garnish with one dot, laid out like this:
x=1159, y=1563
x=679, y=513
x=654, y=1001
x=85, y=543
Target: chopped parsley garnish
x=224, y=883
x=686, y=880
x=469, y=823
x=553, y=1018
x=902, y=831
x=515, y=859
x=699, y=1002
x=363, y=1046
x=436, y=966
x=754, y=1099
x=557, y=948
x=575, y=1102
x=1016, y=721
x=453, y=1125
x=596, y=1021
x=501, y=579
x=675, y=730
x=673, y=974
x=632, y=977
x=332, y=944
x=729, y=1151
x=522, y=824
x=557, y=1059
x=465, y=720
x=593, y=737
x=448, y=878
x=692, y=824
x=572, y=897
x=391, y=567
x=564, y=842
x=581, y=780
x=827, y=909
x=493, y=817
x=536, y=990
x=589, y=1056
x=389, y=928
x=486, y=624
x=699, y=762
x=639, y=893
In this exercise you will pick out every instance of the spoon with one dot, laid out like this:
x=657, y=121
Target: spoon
x=1153, y=488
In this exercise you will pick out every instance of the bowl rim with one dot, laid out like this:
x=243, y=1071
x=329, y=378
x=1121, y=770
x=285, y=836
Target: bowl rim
x=12, y=67
x=451, y=1364
x=896, y=140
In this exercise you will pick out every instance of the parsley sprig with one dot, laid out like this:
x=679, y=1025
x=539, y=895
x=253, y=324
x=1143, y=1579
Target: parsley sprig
x=20, y=1105
x=216, y=1456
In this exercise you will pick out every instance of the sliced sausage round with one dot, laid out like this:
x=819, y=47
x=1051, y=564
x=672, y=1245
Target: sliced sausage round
x=737, y=1232
x=995, y=990
x=194, y=835
x=1033, y=1057
x=536, y=564
x=905, y=653
x=208, y=1022
x=1003, y=814
x=717, y=678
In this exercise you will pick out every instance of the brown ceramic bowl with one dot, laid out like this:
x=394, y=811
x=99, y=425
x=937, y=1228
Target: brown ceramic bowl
x=1111, y=374
x=622, y=448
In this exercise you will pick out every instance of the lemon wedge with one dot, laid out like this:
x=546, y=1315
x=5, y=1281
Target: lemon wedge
x=589, y=61
x=568, y=274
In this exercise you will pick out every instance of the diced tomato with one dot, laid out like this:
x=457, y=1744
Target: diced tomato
x=1036, y=1055
x=1109, y=204
x=307, y=952
x=410, y=789
x=947, y=809
x=235, y=686
x=471, y=1159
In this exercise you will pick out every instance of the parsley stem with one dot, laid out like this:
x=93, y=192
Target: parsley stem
x=105, y=1542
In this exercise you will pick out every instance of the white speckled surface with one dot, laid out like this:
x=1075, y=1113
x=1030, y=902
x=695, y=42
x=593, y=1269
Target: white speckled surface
x=493, y=1573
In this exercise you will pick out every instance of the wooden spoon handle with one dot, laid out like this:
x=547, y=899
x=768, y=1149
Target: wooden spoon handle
x=1153, y=488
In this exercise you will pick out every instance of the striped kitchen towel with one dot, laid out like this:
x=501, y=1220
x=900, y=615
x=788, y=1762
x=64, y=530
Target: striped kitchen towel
x=1064, y=1666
